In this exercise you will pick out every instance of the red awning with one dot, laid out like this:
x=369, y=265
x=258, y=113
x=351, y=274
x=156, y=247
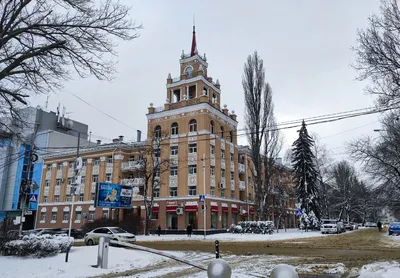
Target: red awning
x=156, y=209
x=171, y=208
x=225, y=209
x=245, y=214
x=191, y=208
x=214, y=208
x=235, y=210
x=251, y=210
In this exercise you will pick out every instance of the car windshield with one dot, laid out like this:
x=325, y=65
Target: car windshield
x=395, y=223
x=118, y=230
x=330, y=221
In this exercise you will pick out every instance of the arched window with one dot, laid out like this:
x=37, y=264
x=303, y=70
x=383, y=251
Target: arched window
x=157, y=131
x=231, y=136
x=174, y=129
x=212, y=127
x=189, y=71
x=192, y=125
x=222, y=132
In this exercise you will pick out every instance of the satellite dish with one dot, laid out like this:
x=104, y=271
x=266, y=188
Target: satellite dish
x=69, y=124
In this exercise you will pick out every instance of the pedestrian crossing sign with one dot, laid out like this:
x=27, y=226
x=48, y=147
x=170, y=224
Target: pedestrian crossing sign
x=33, y=198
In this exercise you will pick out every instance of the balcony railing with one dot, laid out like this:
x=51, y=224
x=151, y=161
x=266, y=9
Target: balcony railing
x=192, y=180
x=242, y=186
x=192, y=160
x=132, y=182
x=222, y=163
x=46, y=191
x=59, y=174
x=212, y=161
x=130, y=166
x=232, y=166
x=173, y=181
x=48, y=175
x=241, y=168
x=95, y=170
x=93, y=188
x=57, y=190
x=212, y=181
x=232, y=184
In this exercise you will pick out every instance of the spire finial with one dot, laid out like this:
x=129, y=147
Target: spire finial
x=193, y=50
x=194, y=24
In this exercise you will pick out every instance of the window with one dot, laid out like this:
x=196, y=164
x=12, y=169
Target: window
x=212, y=127
x=68, y=198
x=212, y=171
x=232, y=176
x=83, y=162
x=212, y=150
x=212, y=191
x=72, y=165
x=174, y=150
x=223, y=192
x=105, y=213
x=173, y=192
x=47, y=183
x=42, y=216
x=192, y=169
x=57, y=198
x=222, y=154
x=81, y=196
x=193, y=148
x=45, y=199
x=192, y=125
x=108, y=177
x=232, y=194
x=231, y=136
x=174, y=171
x=232, y=157
x=174, y=129
x=95, y=178
x=91, y=216
x=157, y=153
x=157, y=132
x=48, y=167
x=59, y=166
x=222, y=132
x=154, y=215
x=69, y=182
x=66, y=216
x=192, y=190
x=97, y=161
x=157, y=173
x=78, y=216
x=58, y=182
x=54, y=216
x=92, y=196
x=83, y=179
x=222, y=173
x=132, y=158
x=156, y=192
x=110, y=159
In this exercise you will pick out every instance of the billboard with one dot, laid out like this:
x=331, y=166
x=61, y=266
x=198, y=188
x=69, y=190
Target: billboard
x=111, y=195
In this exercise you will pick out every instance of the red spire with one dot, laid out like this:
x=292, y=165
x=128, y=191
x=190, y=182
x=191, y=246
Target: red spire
x=194, y=45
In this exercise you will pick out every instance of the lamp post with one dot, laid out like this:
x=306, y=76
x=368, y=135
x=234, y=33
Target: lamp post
x=204, y=188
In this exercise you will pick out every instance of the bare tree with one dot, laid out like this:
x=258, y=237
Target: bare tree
x=152, y=165
x=322, y=162
x=42, y=43
x=260, y=125
x=378, y=54
x=283, y=193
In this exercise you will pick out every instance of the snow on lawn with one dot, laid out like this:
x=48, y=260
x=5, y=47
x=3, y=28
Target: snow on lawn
x=381, y=270
x=393, y=240
x=79, y=263
x=282, y=235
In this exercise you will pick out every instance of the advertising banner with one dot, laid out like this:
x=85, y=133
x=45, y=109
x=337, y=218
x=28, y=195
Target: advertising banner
x=113, y=196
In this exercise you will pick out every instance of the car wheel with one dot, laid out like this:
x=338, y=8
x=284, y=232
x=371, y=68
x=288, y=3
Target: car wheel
x=390, y=233
x=90, y=242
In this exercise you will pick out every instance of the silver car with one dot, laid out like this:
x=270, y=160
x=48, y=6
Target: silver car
x=114, y=233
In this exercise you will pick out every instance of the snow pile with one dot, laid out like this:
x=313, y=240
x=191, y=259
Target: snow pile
x=253, y=227
x=38, y=245
x=381, y=270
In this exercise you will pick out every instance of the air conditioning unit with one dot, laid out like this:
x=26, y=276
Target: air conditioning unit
x=179, y=211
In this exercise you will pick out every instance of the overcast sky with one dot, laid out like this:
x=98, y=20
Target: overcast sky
x=305, y=45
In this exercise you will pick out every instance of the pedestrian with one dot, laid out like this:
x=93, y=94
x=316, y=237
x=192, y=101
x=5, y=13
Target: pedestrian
x=189, y=230
x=379, y=224
x=159, y=230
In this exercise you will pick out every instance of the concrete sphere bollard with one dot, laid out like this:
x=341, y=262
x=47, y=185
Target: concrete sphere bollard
x=219, y=268
x=284, y=271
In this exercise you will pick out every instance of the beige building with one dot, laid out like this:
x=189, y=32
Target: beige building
x=199, y=141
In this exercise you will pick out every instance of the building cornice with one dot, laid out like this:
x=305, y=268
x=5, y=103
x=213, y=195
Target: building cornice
x=192, y=58
x=186, y=198
x=194, y=79
x=192, y=108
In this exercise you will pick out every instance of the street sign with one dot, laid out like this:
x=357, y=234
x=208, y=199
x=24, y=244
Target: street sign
x=33, y=198
x=299, y=212
x=202, y=198
x=29, y=212
x=35, y=186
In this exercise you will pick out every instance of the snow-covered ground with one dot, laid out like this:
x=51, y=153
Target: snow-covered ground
x=282, y=235
x=150, y=265
x=393, y=240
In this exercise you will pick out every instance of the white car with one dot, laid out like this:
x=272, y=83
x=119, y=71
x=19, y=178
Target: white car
x=332, y=226
x=114, y=233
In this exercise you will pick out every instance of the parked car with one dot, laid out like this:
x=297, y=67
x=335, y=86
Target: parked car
x=114, y=233
x=394, y=228
x=353, y=226
x=347, y=225
x=332, y=226
x=370, y=225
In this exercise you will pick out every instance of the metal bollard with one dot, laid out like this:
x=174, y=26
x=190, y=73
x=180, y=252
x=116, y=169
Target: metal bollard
x=284, y=271
x=102, y=255
x=219, y=268
x=217, y=256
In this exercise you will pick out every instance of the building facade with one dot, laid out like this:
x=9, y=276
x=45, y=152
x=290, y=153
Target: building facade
x=197, y=137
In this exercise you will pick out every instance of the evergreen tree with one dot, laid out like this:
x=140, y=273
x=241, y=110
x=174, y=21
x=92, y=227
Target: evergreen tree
x=305, y=172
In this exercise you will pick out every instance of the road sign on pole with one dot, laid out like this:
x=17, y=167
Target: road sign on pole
x=299, y=212
x=33, y=198
x=202, y=198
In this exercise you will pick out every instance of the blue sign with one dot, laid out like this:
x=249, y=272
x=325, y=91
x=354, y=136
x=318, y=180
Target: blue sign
x=111, y=195
x=299, y=212
x=202, y=198
x=33, y=198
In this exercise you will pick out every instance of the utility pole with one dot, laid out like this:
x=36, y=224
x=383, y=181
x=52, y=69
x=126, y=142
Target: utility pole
x=204, y=185
x=74, y=185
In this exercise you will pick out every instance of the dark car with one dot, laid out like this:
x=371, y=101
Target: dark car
x=394, y=228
